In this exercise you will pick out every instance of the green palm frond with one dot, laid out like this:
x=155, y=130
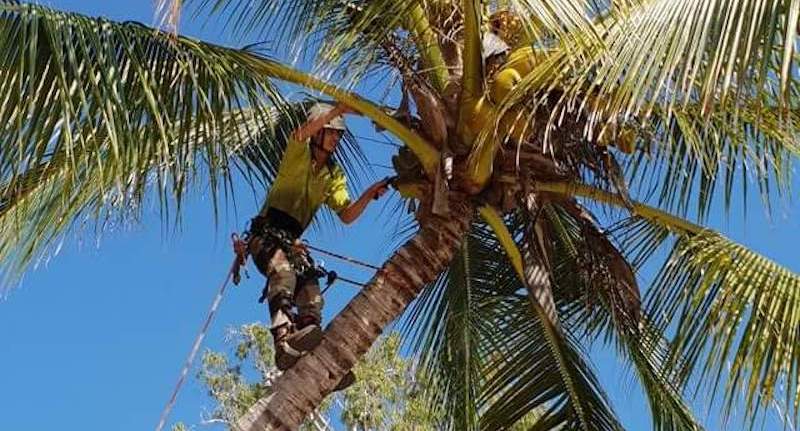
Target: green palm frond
x=648, y=351
x=445, y=331
x=694, y=156
x=96, y=113
x=478, y=322
x=168, y=14
x=344, y=38
x=86, y=92
x=532, y=373
x=734, y=311
x=703, y=51
x=595, y=287
x=593, y=284
x=731, y=309
x=652, y=55
x=42, y=203
x=574, y=22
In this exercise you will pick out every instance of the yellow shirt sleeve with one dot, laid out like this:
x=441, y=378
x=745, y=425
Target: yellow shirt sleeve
x=338, y=197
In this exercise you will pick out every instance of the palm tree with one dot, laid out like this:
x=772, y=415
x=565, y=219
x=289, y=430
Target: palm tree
x=612, y=104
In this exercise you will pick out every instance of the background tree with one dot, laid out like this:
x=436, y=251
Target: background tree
x=95, y=114
x=387, y=395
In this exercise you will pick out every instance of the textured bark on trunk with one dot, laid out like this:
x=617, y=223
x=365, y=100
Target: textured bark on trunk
x=348, y=337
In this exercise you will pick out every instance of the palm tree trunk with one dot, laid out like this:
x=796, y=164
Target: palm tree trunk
x=348, y=337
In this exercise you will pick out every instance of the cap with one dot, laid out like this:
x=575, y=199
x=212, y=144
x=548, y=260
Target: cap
x=319, y=109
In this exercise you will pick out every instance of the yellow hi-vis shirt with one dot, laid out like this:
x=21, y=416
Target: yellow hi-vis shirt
x=299, y=189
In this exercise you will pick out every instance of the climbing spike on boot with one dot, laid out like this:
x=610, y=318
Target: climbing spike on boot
x=285, y=355
x=305, y=339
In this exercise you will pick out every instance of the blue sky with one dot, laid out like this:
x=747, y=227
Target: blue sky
x=95, y=338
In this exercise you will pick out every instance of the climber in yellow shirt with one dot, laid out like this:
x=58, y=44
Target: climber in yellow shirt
x=307, y=178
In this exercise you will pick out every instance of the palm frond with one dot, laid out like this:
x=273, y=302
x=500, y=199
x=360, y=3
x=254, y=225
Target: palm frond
x=96, y=113
x=526, y=376
x=704, y=51
x=345, y=39
x=708, y=56
x=595, y=286
x=575, y=22
x=42, y=203
x=734, y=312
x=492, y=330
x=168, y=14
x=648, y=351
x=78, y=89
x=445, y=333
x=597, y=294
x=687, y=157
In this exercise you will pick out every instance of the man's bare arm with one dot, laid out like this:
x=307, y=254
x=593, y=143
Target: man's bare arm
x=354, y=211
x=310, y=128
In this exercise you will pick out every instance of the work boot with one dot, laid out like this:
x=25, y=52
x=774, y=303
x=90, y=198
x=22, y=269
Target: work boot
x=285, y=355
x=307, y=336
x=347, y=380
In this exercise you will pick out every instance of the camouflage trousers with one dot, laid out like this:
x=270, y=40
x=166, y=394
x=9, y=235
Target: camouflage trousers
x=289, y=281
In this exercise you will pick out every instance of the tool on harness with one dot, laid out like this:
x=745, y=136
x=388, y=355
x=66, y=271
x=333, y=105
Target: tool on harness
x=276, y=228
x=332, y=276
x=241, y=251
x=319, y=271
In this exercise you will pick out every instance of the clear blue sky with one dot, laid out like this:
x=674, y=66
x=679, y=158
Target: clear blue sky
x=94, y=339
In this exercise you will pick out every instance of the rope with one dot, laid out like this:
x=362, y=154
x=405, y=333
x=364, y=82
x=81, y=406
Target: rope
x=197, y=342
x=341, y=257
x=346, y=280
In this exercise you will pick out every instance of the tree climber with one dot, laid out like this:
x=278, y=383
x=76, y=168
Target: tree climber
x=307, y=178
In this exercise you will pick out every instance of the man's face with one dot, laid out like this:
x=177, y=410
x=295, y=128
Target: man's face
x=330, y=139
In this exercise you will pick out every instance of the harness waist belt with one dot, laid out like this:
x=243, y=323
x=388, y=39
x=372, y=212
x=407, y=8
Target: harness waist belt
x=278, y=219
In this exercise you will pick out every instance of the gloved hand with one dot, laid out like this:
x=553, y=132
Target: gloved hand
x=380, y=188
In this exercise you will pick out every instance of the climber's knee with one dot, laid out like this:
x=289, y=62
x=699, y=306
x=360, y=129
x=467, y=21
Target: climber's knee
x=282, y=283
